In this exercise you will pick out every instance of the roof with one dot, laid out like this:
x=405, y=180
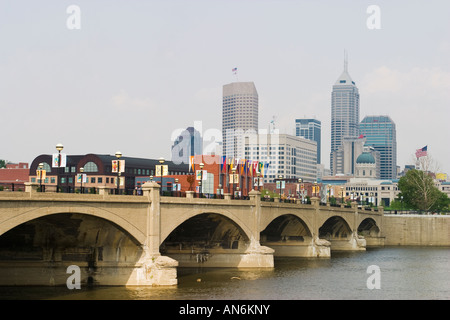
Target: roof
x=365, y=157
x=344, y=79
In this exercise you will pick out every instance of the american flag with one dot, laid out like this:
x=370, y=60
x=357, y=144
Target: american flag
x=234, y=70
x=421, y=152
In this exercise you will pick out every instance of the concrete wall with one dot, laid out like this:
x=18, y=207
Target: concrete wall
x=416, y=230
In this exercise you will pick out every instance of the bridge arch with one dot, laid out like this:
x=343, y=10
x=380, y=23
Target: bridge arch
x=31, y=213
x=369, y=228
x=69, y=237
x=173, y=220
x=286, y=227
x=335, y=227
x=206, y=231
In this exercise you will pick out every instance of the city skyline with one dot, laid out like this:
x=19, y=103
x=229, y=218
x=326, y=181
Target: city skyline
x=137, y=71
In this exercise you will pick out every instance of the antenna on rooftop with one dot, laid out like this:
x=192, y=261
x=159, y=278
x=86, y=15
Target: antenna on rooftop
x=345, y=61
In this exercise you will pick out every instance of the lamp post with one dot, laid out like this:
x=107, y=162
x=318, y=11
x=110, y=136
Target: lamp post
x=81, y=176
x=279, y=179
x=232, y=181
x=118, y=156
x=219, y=189
x=342, y=195
x=161, y=161
x=201, y=179
x=41, y=167
x=176, y=186
x=300, y=191
x=59, y=147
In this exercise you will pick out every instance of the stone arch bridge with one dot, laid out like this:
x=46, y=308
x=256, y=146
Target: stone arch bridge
x=141, y=240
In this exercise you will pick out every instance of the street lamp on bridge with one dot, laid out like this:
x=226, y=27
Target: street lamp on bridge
x=161, y=161
x=41, y=168
x=59, y=147
x=118, y=156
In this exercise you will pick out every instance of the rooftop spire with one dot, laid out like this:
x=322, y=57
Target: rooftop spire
x=345, y=61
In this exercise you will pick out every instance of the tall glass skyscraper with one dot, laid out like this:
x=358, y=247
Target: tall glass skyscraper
x=239, y=114
x=188, y=143
x=309, y=129
x=380, y=133
x=344, y=112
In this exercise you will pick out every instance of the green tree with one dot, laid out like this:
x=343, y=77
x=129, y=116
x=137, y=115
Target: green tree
x=419, y=192
x=3, y=163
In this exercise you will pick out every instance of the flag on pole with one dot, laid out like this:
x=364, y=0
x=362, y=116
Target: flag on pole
x=234, y=70
x=421, y=152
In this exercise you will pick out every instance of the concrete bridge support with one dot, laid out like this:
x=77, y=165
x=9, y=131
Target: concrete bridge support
x=153, y=268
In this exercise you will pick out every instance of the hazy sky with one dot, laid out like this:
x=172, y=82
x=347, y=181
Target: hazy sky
x=138, y=70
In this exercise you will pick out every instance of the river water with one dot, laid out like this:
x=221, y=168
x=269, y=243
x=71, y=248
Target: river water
x=405, y=273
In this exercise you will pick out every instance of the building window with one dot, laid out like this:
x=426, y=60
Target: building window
x=47, y=167
x=90, y=167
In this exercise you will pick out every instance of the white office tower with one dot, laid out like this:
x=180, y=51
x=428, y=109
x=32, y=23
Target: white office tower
x=344, y=113
x=239, y=115
x=288, y=156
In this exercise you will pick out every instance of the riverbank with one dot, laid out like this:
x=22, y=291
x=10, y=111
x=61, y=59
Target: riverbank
x=416, y=230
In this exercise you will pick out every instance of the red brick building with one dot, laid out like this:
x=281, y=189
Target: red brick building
x=14, y=176
x=214, y=178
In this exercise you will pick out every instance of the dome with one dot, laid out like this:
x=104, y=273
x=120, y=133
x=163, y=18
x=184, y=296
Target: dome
x=365, y=157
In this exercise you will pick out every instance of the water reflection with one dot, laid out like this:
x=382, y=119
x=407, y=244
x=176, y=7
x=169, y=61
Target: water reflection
x=406, y=273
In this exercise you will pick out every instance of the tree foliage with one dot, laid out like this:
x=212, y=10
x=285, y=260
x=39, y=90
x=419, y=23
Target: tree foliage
x=419, y=192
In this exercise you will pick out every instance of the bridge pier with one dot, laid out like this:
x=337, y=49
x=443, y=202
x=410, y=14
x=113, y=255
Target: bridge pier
x=154, y=271
x=310, y=248
x=352, y=243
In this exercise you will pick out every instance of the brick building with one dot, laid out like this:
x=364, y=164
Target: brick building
x=216, y=177
x=98, y=170
x=14, y=176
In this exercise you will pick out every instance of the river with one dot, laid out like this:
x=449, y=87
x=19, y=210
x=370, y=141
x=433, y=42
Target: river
x=406, y=273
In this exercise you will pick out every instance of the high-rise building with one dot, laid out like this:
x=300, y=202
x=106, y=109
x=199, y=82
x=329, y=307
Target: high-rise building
x=380, y=134
x=239, y=115
x=288, y=156
x=344, y=112
x=188, y=143
x=309, y=129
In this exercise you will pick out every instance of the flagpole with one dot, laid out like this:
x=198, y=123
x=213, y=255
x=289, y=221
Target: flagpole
x=234, y=70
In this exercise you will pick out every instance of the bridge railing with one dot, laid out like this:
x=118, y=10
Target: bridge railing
x=315, y=202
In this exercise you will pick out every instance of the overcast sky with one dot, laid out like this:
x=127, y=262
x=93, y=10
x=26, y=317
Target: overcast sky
x=138, y=70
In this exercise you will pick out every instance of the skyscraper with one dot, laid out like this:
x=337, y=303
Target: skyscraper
x=380, y=133
x=239, y=114
x=344, y=112
x=309, y=129
x=289, y=156
x=188, y=143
